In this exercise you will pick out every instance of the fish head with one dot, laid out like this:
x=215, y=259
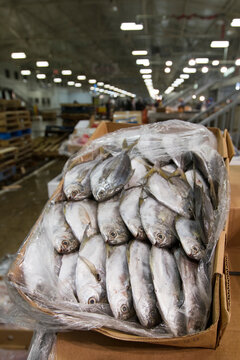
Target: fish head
x=141, y=235
x=75, y=191
x=197, y=251
x=123, y=309
x=68, y=244
x=106, y=191
x=115, y=235
x=89, y=296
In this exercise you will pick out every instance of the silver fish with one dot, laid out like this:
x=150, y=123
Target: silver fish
x=58, y=231
x=158, y=222
x=140, y=168
x=76, y=184
x=82, y=217
x=109, y=177
x=170, y=168
x=91, y=271
x=190, y=238
x=174, y=193
x=110, y=223
x=167, y=285
x=144, y=299
x=194, y=177
x=66, y=280
x=129, y=210
x=118, y=284
x=196, y=306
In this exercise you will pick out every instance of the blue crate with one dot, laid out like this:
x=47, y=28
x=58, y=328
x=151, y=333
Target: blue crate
x=12, y=134
x=7, y=173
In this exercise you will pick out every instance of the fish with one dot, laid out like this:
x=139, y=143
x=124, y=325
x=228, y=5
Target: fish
x=109, y=177
x=168, y=289
x=183, y=161
x=82, y=217
x=190, y=237
x=76, y=185
x=118, y=283
x=58, y=231
x=110, y=223
x=174, y=193
x=144, y=298
x=129, y=211
x=170, y=168
x=91, y=271
x=195, y=178
x=140, y=168
x=158, y=222
x=66, y=279
x=196, y=302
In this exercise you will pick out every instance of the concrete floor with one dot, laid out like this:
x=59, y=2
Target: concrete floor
x=19, y=209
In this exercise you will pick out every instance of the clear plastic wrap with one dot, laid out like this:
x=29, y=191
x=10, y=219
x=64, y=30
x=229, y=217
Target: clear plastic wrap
x=34, y=278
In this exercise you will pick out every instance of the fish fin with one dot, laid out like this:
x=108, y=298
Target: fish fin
x=179, y=172
x=128, y=251
x=127, y=147
x=150, y=172
x=91, y=267
x=164, y=174
x=85, y=239
x=141, y=200
x=109, y=250
x=213, y=194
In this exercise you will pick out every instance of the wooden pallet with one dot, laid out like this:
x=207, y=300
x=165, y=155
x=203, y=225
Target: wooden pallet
x=12, y=104
x=7, y=173
x=14, y=120
x=48, y=146
x=7, y=157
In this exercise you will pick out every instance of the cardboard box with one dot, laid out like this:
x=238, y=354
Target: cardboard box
x=209, y=338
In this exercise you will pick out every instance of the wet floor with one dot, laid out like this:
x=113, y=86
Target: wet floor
x=19, y=209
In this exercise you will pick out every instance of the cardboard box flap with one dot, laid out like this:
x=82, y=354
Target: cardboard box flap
x=222, y=146
x=230, y=147
x=107, y=127
x=219, y=254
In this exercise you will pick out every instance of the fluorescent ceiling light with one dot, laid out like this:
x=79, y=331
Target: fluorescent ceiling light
x=81, y=77
x=215, y=62
x=78, y=84
x=184, y=76
x=167, y=70
x=100, y=83
x=139, y=52
x=147, y=76
x=237, y=62
x=189, y=70
x=66, y=72
x=145, y=71
x=204, y=69
x=107, y=86
x=223, y=69
x=92, y=88
x=168, y=63
x=70, y=83
x=191, y=62
x=57, y=80
x=92, y=81
x=169, y=90
x=128, y=26
x=202, y=60
x=235, y=22
x=144, y=62
x=201, y=98
x=194, y=97
x=220, y=44
x=42, y=63
x=41, y=76
x=18, y=55
x=25, y=72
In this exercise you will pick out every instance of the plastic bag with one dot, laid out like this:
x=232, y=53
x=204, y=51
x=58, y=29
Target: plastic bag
x=34, y=278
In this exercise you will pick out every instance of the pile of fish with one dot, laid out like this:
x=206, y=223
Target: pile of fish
x=136, y=234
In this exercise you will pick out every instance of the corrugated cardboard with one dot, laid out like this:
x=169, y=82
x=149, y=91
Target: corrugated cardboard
x=221, y=303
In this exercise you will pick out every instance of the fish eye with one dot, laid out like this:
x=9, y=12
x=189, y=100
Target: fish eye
x=98, y=277
x=74, y=193
x=113, y=234
x=195, y=249
x=124, y=308
x=101, y=192
x=65, y=243
x=92, y=300
x=160, y=236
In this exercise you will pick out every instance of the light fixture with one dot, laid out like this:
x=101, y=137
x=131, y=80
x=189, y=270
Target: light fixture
x=235, y=23
x=25, y=72
x=81, y=77
x=92, y=81
x=194, y=97
x=107, y=86
x=237, y=86
x=184, y=76
x=202, y=60
x=129, y=26
x=42, y=63
x=147, y=76
x=144, y=62
x=215, y=62
x=78, y=84
x=66, y=72
x=167, y=70
x=169, y=90
x=70, y=83
x=57, y=80
x=191, y=62
x=168, y=63
x=201, y=98
x=204, y=69
x=223, y=69
x=220, y=44
x=189, y=70
x=139, y=52
x=41, y=76
x=145, y=71
x=237, y=62
x=18, y=55
x=100, y=83
x=92, y=88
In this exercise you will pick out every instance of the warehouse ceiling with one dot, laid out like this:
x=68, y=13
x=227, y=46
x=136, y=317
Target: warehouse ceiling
x=85, y=36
